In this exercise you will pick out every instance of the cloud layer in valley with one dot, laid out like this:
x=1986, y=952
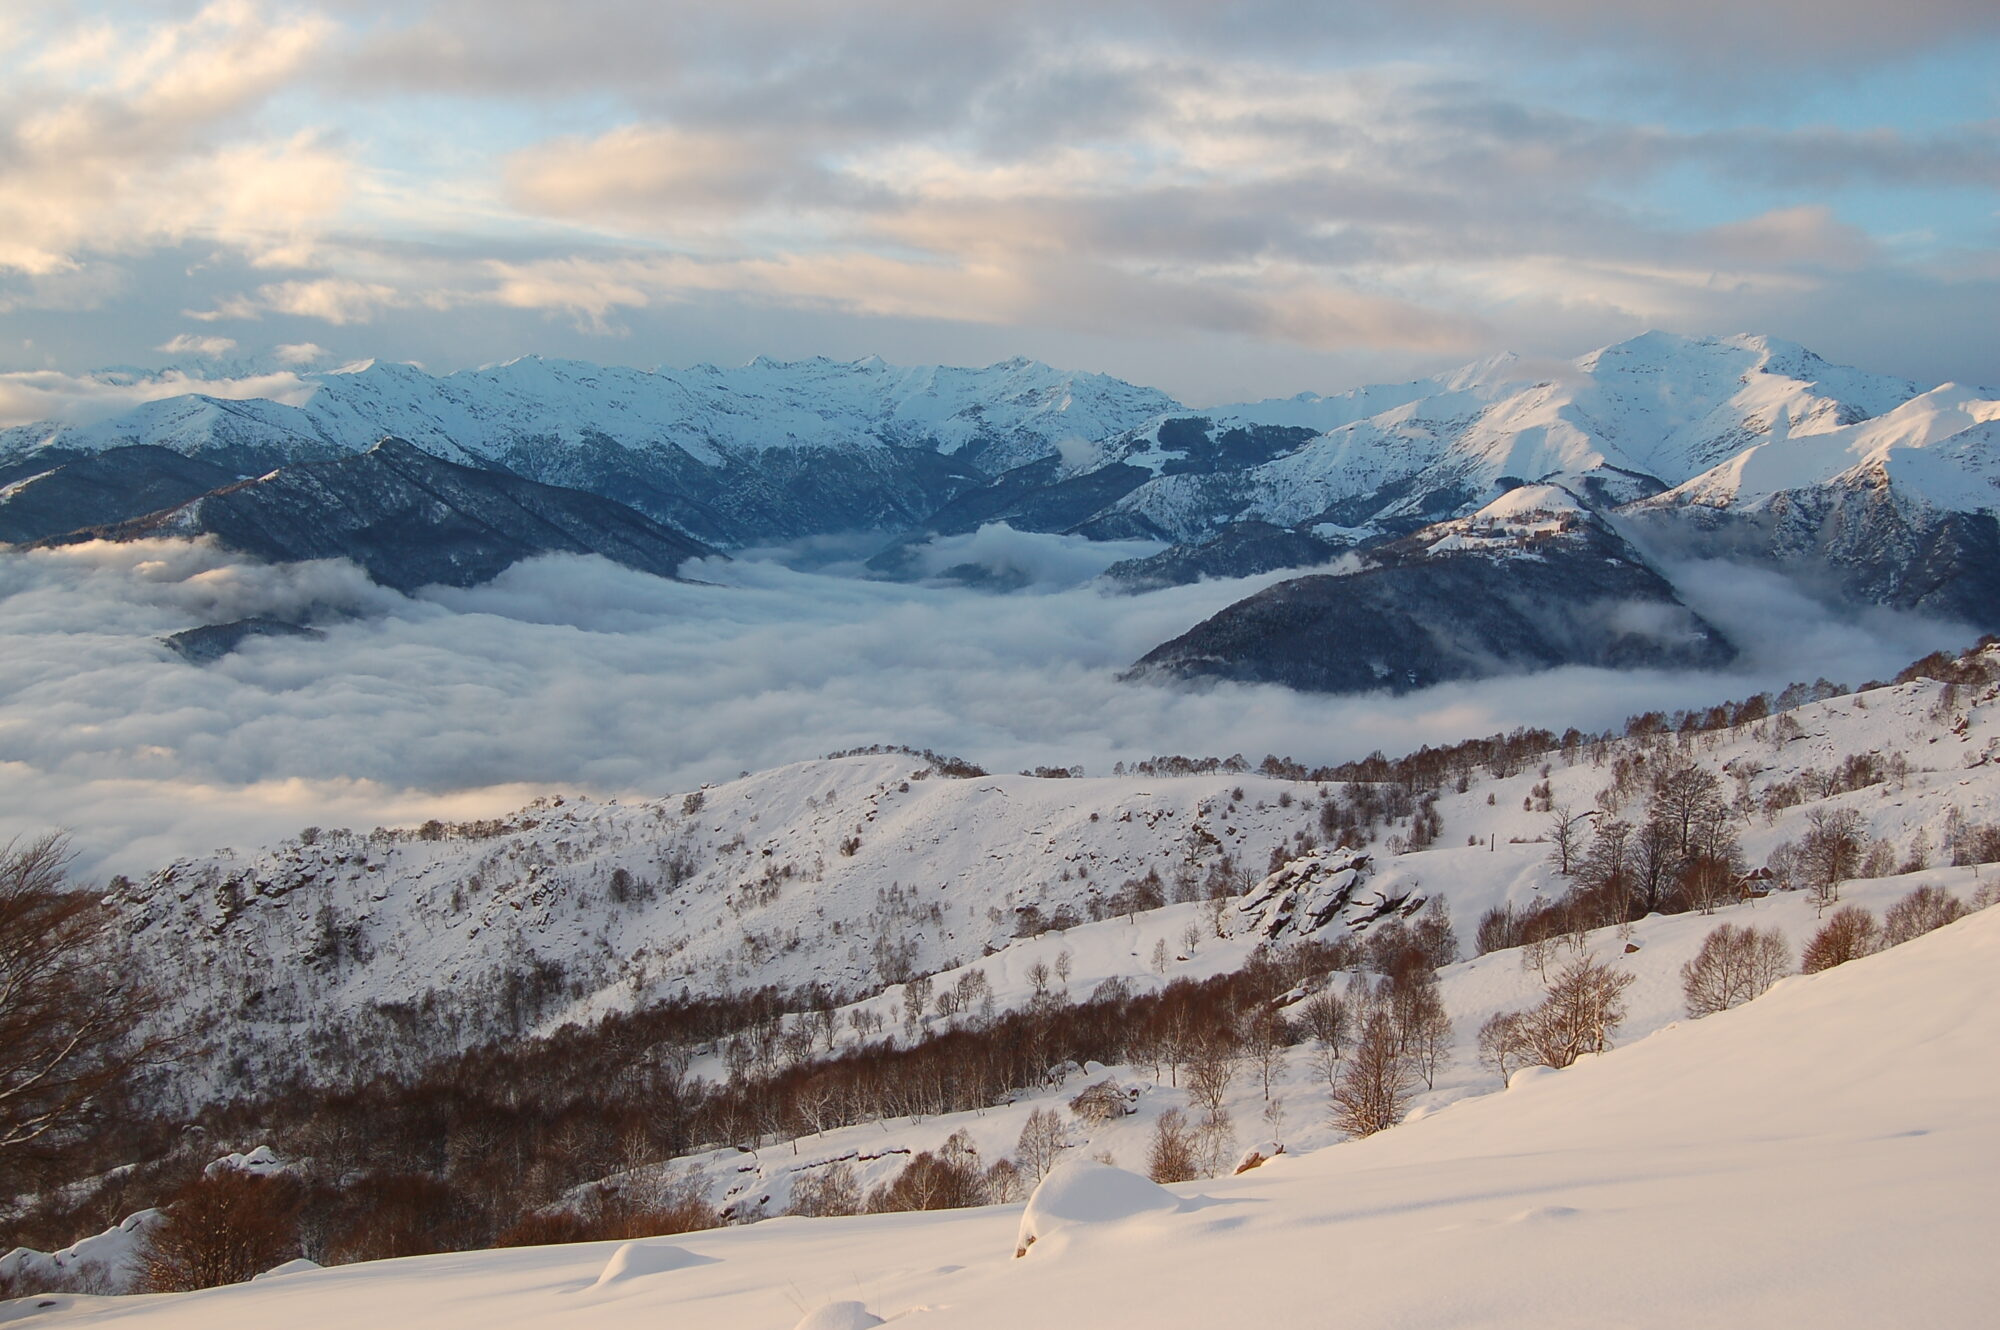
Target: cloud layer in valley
x=570, y=674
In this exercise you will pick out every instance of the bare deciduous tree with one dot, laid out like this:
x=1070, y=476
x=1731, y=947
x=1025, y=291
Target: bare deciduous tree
x=1918, y=913
x=1734, y=965
x=1043, y=1139
x=1373, y=1091
x=1503, y=1044
x=1848, y=934
x=1566, y=828
x=1585, y=1002
x=68, y=1010
x=1171, y=1157
x=1830, y=851
x=1211, y=1067
x=1422, y=1026
x=832, y=1190
x=223, y=1228
x=1326, y=1021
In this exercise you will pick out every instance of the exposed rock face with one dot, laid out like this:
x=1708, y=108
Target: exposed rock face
x=1306, y=895
x=412, y=519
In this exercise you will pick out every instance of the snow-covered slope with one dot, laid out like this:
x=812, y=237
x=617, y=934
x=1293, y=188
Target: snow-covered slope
x=1941, y=448
x=1627, y=421
x=858, y=873
x=1818, y=1156
x=852, y=873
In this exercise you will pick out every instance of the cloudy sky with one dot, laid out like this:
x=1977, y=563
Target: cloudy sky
x=1223, y=200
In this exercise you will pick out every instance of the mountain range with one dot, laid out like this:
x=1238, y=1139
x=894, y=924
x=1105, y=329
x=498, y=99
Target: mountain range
x=1862, y=487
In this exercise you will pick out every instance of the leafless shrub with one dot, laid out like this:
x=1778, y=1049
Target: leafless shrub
x=1584, y=1003
x=1043, y=1139
x=223, y=1228
x=1171, y=1157
x=832, y=1190
x=1734, y=965
x=1918, y=913
x=947, y=1180
x=1373, y=1090
x=1848, y=934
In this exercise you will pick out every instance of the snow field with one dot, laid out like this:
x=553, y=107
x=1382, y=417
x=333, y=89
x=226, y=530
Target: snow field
x=1815, y=1157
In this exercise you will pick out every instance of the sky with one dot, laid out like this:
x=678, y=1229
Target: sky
x=1223, y=201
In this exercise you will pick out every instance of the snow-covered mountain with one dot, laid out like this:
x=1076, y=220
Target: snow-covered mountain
x=854, y=874
x=766, y=451
x=408, y=518
x=1621, y=423
x=1745, y=448
x=1533, y=580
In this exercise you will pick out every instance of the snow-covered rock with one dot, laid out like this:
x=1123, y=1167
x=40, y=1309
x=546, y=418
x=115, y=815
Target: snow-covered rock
x=635, y=1260
x=839, y=1316
x=1083, y=1192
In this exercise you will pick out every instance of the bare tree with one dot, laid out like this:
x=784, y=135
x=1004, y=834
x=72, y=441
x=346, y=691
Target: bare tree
x=223, y=1228
x=1566, y=830
x=1585, y=1002
x=1373, y=1091
x=1734, y=965
x=1324, y=1019
x=1503, y=1044
x=1918, y=913
x=1267, y=1037
x=1171, y=1157
x=1682, y=796
x=1422, y=1026
x=833, y=1190
x=1830, y=851
x=69, y=1010
x=1848, y=934
x=1211, y=1067
x=1043, y=1139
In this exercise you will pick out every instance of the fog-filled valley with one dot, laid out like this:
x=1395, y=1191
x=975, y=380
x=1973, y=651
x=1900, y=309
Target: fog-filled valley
x=576, y=675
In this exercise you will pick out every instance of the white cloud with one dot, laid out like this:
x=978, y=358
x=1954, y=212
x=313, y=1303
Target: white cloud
x=300, y=353
x=189, y=344
x=570, y=673
x=29, y=396
x=115, y=138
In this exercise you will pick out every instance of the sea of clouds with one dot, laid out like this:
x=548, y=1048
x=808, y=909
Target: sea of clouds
x=574, y=675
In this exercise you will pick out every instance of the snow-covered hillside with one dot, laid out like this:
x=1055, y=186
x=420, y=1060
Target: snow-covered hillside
x=384, y=949
x=853, y=873
x=1814, y=1157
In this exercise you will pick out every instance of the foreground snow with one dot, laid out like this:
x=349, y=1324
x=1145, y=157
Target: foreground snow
x=1819, y=1157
